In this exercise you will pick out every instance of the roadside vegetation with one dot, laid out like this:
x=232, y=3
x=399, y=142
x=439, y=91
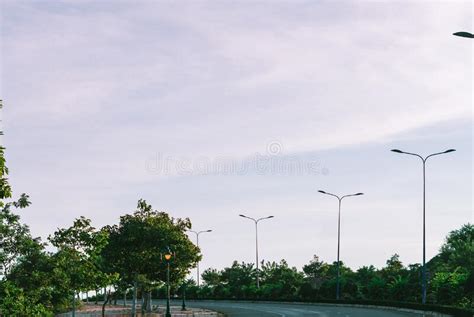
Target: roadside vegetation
x=126, y=260
x=451, y=280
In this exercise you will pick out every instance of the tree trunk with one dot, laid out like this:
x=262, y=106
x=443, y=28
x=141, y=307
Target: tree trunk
x=96, y=296
x=74, y=304
x=87, y=297
x=148, y=302
x=125, y=298
x=106, y=299
x=134, y=300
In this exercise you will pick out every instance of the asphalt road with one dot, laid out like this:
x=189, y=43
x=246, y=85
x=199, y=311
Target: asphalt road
x=248, y=309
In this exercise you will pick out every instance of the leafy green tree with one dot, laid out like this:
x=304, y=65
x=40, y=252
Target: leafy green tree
x=458, y=250
x=394, y=266
x=240, y=279
x=397, y=288
x=316, y=274
x=5, y=188
x=211, y=277
x=413, y=289
x=136, y=245
x=78, y=259
x=316, y=268
x=364, y=275
x=16, y=245
x=395, y=275
x=448, y=287
x=15, y=238
x=280, y=281
x=376, y=288
x=16, y=303
x=33, y=274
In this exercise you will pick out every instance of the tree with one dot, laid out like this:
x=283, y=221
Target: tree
x=453, y=269
x=316, y=268
x=458, y=250
x=280, y=281
x=363, y=277
x=240, y=279
x=316, y=274
x=136, y=245
x=16, y=303
x=448, y=287
x=15, y=238
x=211, y=277
x=78, y=258
x=16, y=245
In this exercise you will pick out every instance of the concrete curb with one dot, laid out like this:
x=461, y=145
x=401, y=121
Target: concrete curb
x=407, y=310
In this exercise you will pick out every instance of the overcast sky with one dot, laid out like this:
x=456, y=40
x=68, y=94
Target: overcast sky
x=208, y=109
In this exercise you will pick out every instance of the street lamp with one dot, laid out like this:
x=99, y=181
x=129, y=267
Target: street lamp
x=183, y=305
x=256, y=221
x=197, y=233
x=464, y=34
x=339, y=233
x=168, y=256
x=423, y=282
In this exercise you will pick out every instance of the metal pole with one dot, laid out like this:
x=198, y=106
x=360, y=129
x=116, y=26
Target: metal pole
x=338, y=248
x=424, y=159
x=197, y=233
x=256, y=252
x=197, y=244
x=256, y=242
x=183, y=306
x=73, y=303
x=423, y=282
x=168, y=313
x=339, y=236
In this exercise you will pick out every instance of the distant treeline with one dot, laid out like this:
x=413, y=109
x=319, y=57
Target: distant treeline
x=451, y=279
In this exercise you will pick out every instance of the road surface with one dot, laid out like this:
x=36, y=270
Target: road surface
x=248, y=309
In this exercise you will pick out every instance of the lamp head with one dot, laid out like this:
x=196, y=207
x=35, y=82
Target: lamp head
x=464, y=34
x=167, y=257
x=358, y=194
x=449, y=151
x=396, y=151
x=322, y=191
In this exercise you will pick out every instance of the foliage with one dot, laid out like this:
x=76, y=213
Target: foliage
x=16, y=303
x=450, y=279
x=78, y=256
x=143, y=237
x=136, y=246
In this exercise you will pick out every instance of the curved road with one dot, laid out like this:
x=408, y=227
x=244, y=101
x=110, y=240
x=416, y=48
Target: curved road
x=250, y=309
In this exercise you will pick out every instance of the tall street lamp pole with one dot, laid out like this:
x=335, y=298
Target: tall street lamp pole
x=338, y=235
x=168, y=255
x=197, y=233
x=423, y=281
x=256, y=221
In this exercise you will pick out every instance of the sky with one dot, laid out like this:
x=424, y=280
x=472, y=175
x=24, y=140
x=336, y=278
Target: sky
x=209, y=109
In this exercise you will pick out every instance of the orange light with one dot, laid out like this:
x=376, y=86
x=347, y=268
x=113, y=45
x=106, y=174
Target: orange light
x=167, y=257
